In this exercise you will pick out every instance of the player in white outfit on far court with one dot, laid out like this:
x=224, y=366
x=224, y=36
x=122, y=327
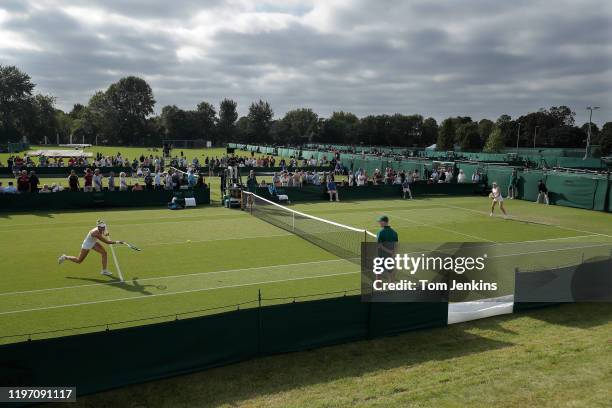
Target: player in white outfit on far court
x=497, y=197
x=91, y=242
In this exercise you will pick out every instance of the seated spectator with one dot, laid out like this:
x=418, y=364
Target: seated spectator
x=56, y=188
x=10, y=189
x=476, y=177
x=449, y=175
x=362, y=179
x=331, y=189
x=202, y=184
x=137, y=187
x=46, y=189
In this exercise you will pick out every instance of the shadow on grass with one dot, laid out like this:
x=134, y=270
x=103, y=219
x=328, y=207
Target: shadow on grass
x=267, y=376
x=263, y=376
x=114, y=282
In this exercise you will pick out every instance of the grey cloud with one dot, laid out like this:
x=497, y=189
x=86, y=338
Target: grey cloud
x=474, y=57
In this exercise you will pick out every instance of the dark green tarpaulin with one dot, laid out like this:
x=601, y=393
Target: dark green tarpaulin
x=528, y=184
x=106, y=199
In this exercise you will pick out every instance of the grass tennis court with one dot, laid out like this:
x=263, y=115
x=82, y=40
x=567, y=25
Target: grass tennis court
x=198, y=261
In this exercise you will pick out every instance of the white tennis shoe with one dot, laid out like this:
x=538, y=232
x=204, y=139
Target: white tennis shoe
x=106, y=272
x=61, y=259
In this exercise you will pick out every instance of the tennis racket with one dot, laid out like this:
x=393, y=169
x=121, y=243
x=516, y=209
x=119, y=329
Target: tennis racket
x=134, y=247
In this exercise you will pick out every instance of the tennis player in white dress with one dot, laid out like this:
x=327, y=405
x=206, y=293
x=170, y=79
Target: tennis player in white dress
x=496, y=197
x=91, y=242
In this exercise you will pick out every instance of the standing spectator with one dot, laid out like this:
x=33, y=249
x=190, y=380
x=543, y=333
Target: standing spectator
x=461, y=177
x=111, y=181
x=476, y=177
x=148, y=179
x=513, y=185
x=406, y=188
x=88, y=187
x=123, y=186
x=97, y=180
x=34, y=182
x=168, y=180
x=542, y=192
x=191, y=178
x=251, y=182
x=73, y=181
x=157, y=180
x=23, y=182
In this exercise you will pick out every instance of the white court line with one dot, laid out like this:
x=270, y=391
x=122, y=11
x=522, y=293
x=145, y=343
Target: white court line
x=168, y=277
x=517, y=219
x=72, y=224
x=549, y=250
x=445, y=229
x=172, y=293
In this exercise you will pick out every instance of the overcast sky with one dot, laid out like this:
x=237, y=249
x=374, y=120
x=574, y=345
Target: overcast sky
x=479, y=58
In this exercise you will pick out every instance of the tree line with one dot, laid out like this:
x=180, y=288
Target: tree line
x=123, y=114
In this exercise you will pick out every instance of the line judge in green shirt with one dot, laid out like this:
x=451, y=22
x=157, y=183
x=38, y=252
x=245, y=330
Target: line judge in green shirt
x=387, y=236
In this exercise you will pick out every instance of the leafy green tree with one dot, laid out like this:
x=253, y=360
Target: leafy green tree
x=298, y=126
x=226, y=125
x=130, y=101
x=468, y=136
x=495, y=142
x=429, y=134
x=15, y=102
x=341, y=127
x=507, y=127
x=605, y=139
x=260, y=120
x=446, y=135
x=206, y=120
x=485, y=127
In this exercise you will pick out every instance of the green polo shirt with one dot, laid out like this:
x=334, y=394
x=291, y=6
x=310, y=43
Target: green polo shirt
x=386, y=234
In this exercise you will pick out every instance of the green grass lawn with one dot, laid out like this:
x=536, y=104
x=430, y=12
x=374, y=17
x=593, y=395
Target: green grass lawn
x=554, y=357
x=135, y=152
x=211, y=257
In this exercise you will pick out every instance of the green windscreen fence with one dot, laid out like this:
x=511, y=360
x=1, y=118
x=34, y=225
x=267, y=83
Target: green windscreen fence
x=528, y=184
x=574, y=191
x=178, y=347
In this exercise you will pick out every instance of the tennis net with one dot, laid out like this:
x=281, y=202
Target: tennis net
x=341, y=240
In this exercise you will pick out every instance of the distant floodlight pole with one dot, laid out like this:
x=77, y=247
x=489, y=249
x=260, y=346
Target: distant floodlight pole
x=588, y=143
x=518, y=134
x=535, y=134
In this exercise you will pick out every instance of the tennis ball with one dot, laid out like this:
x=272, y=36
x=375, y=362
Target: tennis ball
x=188, y=240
